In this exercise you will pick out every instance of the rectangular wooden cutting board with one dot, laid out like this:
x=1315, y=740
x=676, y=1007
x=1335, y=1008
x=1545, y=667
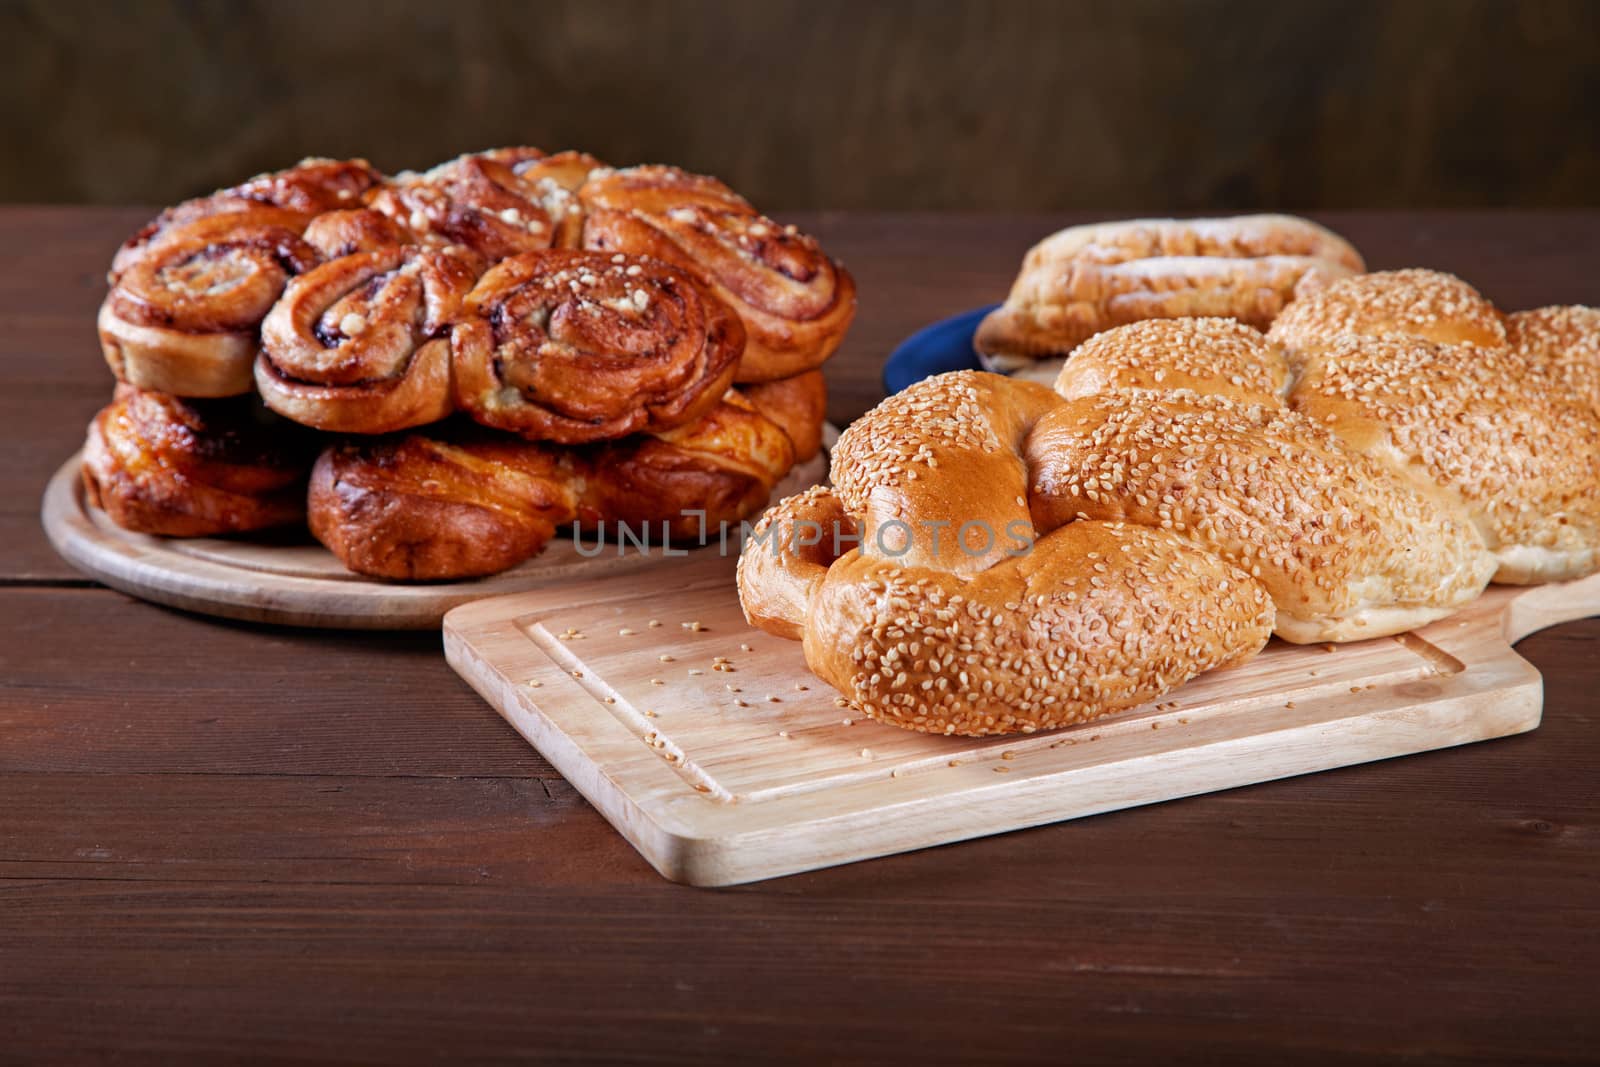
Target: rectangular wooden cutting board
x=712, y=748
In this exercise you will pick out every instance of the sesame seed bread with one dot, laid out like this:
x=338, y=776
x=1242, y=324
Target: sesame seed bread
x=1181, y=493
x=1334, y=536
x=1426, y=304
x=1511, y=444
x=1085, y=279
x=1221, y=357
x=1564, y=341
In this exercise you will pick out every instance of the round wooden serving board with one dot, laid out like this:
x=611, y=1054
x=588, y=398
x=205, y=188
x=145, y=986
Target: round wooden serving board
x=286, y=577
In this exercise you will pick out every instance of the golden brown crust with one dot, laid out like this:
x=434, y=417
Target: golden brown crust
x=795, y=302
x=335, y=234
x=194, y=468
x=574, y=347
x=1346, y=548
x=297, y=194
x=944, y=452
x=184, y=317
x=1510, y=443
x=361, y=344
x=429, y=507
x=788, y=555
x=1098, y=617
x=690, y=481
x=954, y=614
x=799, y=405
x=1085, y=279
x=1222, y=357
x=1425, y=304
x=1564, y=342
x=457, y=501
x=499, y=203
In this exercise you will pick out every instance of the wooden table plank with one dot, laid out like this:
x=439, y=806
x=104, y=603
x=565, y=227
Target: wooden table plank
x=218, y=839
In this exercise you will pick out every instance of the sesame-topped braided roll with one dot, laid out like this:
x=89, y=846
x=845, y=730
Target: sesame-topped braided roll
x=574, y=347
x=361, y=344
x=1562, y=341
x=499, y=203
x=183, y=318
x=796, y=303
x=926, y=593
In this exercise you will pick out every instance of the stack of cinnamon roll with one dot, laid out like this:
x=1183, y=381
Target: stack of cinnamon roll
x=438, y=371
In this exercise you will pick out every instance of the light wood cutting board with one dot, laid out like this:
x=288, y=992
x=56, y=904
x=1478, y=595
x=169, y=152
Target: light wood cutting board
x=728, y=774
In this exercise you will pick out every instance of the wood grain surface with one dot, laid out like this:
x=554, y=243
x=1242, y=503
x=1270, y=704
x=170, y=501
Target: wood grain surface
x=221, y=841
x=713, y=749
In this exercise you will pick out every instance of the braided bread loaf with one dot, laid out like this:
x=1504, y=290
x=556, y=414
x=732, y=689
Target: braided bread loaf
x=998, y=557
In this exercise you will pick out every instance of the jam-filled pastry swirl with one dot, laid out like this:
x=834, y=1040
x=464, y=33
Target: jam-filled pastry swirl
x=194, y=468
x=361, y=344
x=796, y=303
x=183, y=319
x=573, y=347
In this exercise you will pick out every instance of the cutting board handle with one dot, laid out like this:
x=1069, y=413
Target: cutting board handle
x=1542, y=606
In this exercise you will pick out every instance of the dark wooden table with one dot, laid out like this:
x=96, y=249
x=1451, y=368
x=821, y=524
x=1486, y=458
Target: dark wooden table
x=221, y=840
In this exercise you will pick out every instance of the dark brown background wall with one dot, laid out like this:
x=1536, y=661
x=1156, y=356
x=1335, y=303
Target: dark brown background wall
x=1099, y=105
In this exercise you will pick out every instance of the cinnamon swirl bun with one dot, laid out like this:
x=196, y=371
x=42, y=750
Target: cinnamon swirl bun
x=361, y=344
x=183, y=318
x=194, y=468
x=795, y=302
x=304, y=190
x=499, y=203
x=573, y=347
x=362, y=229
x=457, y=501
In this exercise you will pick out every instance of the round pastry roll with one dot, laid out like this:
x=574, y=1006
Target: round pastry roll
x=453, y=503
x=574, y=347
x=361, y=344
x=1223, y=357
x=458, y=501
x=499, y=203
x=301, y=192
x=341, y=233
x=795, y=302
x=1518, y=449
x=1563, y=342
x=1425, y=304
x=194, y=468
x=1085, y=279
x=183, y=318
x=799, y=405
x=689, y=482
